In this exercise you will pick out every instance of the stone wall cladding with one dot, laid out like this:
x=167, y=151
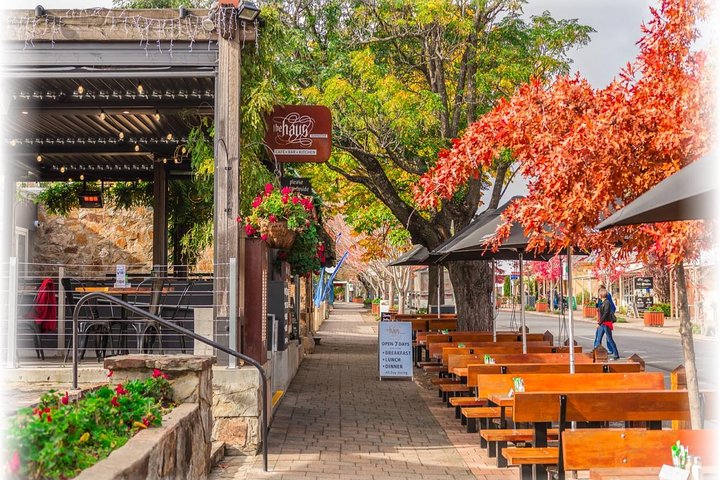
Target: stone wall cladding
x=176, y=450
x=237, y=395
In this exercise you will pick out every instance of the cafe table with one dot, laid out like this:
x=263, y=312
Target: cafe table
x=460, y=371
x=503, y=401
x=640, y=473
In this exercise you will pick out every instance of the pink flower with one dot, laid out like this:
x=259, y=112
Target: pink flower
x=256, y=203
x=114, y=402
x=14, y=465
x=110, y=374
x=264, y=237
x=295, y=200
x=65, y=399
x=268, y=188
x=158, y=373
x=272, y=218
x=49, y=418
x=284, y=198
x=238, y=219
x=286, y=191
x=249, y=230
x=120, y=390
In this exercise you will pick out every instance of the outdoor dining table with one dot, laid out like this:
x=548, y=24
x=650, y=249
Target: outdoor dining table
x=503, y=401
x=640, y=473
x=460, y=371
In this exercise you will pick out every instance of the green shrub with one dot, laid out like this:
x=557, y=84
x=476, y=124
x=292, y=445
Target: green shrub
x=529, y=308
x=422, y=311
x=665, y=308
x=60, y=438
x=507, y=287
x=542, y=300
x=655, y=308
x=376, y=301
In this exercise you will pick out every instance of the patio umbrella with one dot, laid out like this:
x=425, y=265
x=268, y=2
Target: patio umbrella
x=689, y=194
x=418, y=255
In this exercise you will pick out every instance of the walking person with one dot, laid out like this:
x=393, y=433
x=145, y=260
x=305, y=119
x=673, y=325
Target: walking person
x=606, y=318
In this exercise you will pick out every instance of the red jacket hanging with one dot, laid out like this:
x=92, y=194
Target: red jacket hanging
x=44, y=310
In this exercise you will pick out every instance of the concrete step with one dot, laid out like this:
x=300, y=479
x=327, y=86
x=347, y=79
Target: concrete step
x=217, y=453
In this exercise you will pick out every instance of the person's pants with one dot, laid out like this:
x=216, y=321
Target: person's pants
x=601, y=331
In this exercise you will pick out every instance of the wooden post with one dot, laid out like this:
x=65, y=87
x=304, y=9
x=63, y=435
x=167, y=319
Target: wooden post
x=637, y=359
x=229, y=242
x=160, y=224
x=678, y=381
x=600, y=354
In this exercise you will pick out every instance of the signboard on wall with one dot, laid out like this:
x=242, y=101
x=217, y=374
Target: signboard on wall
x=300, y=185
x=643, y=283
x=299, y=133
x=395, y=350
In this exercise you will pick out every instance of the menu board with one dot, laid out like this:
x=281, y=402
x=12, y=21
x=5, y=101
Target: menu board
x=395, y=350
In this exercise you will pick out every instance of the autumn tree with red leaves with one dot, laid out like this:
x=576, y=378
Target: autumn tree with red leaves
x=587, y=152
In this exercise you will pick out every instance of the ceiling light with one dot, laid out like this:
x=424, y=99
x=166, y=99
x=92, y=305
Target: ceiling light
x=24, y=112
x=80, y=90
x=137, y=147
x=82, y=177
x=157, y=115
x=62, y=169
x=70, y=180
x=140, y=88
x=183, y=150
x=102, y=114
x=13, y=142
x=121, y=135
x=169, y=136
x=248, y=11
x=39, y=158
x=176, y=160
x=126, y=112
x=164, y=160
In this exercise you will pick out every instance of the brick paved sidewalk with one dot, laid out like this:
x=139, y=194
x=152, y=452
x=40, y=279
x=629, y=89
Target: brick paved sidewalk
x=338, y=420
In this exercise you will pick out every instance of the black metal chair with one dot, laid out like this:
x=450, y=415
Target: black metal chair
x=142, y=325
x=175, y=313
x=90, y=320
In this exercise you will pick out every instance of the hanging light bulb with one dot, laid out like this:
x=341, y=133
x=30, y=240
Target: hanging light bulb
x=183, y=150
x=82, y=177
x=102, y=114
x=164, y=160
x=169, y=136
x=62, y=169
x=39, y=158
x=176, y=160
x=157, y=115
x=121, y=135
x=140, y=88
x=137, y=147
x=70, y=180
x=80, y=89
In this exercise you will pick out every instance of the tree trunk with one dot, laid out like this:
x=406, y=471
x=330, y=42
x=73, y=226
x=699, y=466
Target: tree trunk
x=432, y=287
x=472, y=284
x=686, y=339
x=391, y=294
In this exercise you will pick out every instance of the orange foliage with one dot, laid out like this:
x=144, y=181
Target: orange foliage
x=586, y=152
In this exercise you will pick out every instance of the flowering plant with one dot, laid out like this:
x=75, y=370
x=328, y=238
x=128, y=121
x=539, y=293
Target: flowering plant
x=282, y=205
x=62, y=436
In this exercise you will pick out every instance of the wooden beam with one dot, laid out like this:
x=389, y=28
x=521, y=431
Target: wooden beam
x=229, y=242
x=160, y=226
x=142, y=25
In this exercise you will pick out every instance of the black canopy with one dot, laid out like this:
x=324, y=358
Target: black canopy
x=689, y=194
x=418, y=255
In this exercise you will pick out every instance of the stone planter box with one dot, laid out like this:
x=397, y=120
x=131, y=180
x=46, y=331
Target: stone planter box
x=653, y=319
x=541, y=307
x=590, y=312
x=177, y=449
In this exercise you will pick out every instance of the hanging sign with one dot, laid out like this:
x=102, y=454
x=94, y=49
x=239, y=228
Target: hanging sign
x=395, y=349
x=300, y=185
x=299, y=133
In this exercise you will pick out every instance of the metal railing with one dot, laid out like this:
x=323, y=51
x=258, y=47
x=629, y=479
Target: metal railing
x=164, y=323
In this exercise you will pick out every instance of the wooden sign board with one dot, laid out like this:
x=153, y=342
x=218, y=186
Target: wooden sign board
x=300, y=185
x=395, y=350
x=299, y=133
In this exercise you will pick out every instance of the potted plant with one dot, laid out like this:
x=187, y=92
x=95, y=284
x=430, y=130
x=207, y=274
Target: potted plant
x=541, y=305
x=376, y=306
x=279, y=216
x=589, y=309
x=654, y=316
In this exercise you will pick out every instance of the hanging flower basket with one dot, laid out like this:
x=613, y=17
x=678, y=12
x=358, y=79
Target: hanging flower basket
x=277, y=234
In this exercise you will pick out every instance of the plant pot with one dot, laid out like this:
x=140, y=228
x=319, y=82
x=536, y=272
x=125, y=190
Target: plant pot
x=376, y=308
x=278, y=234
x=653, y=319
x=541, y=307
x=590, y=312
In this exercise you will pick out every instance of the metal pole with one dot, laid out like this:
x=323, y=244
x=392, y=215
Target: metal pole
x=61, y=310
x=571, y=330
x=12, y=314
x=494, y=304
x=522, y=305
x=439, y=272
x=232, y=316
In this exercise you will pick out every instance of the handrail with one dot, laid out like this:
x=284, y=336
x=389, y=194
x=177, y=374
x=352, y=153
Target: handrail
x=183, y=331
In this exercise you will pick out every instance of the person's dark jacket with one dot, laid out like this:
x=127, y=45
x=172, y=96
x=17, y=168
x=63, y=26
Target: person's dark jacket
x=605, y=311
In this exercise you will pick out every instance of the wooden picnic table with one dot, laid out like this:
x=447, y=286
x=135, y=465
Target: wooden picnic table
x=640, y=473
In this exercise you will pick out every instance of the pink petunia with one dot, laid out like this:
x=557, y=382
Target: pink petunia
x=286, y=191
x=295, y=200
x=268, y=188
x=110, y=374
x=256, y=203
x=158, y=373
x=264, y=237
x=65, y=399
x=14, y=465
x=120, y=390
x=284, y=199
x=114, y=402
x=272, y=218
x=249, y=230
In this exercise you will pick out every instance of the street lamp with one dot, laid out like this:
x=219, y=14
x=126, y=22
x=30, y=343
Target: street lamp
x=248, y=11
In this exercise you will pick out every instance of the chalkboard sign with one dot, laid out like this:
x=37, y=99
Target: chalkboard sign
x=643, y=303
x=395, y=349
x=385, y=317
x=643, y=283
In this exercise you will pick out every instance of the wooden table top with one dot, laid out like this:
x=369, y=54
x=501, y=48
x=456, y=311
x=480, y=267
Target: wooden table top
x=640, y=473
x=502, y=400
x=460, y=371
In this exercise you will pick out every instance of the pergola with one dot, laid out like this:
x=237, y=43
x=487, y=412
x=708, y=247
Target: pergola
x=109, y=95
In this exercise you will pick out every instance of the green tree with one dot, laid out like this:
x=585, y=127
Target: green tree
x=507, y=287
x=402, y=80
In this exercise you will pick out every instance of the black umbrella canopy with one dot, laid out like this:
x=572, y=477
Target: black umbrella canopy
x=477, y=222
x=688, y=194
x=418, y=255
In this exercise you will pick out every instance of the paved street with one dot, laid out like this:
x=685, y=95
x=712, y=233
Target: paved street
x=660, y=351
x=339, y=421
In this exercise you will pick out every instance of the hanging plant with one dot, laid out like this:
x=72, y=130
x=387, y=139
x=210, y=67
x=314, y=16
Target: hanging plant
x=287, y=220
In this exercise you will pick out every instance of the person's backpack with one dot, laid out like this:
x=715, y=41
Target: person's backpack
x=613, y=318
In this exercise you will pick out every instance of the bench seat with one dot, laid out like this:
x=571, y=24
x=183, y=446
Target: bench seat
x=471, y=415
x=444, y=381
x=434, y=369
x=497, y=440
x=529, y=458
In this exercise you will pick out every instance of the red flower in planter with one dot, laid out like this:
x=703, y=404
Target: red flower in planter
x=272, y=218
x=65, y=399
x=49, y=418
x=286, y=191
x=114, y=402
x=295, y=200
x=120, y=390
x=158, y=373
x=249, y=230
x=268, y=188
x=14, y=464
x=256, y=203
x=264, y=237
x=284, y=199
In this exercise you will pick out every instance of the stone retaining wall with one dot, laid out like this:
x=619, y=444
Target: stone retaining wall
x=177, y=449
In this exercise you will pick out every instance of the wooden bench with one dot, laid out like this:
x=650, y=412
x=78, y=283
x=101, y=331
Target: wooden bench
x=600, y=448
x=500, y=385
x=543, y=408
